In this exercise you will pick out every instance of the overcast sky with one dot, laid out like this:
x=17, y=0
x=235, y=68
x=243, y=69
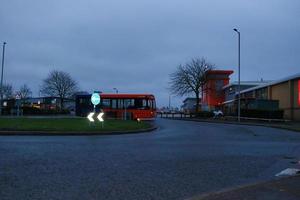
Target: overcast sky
x=134, y=45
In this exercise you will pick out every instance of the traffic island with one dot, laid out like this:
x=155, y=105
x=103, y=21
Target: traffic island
x=70, y=126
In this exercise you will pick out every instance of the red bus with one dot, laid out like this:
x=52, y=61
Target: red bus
x=121, y=106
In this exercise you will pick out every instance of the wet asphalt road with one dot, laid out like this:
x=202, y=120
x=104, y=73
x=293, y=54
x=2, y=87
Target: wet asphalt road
x=179, y=160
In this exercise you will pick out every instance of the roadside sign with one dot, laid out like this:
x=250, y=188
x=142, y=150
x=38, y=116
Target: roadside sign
x=95, y=99
x=99, y=117
x=90, y=117
x=18, y=97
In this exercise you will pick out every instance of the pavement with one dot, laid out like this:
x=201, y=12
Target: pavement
x=179, y=160
x=288, y=125
x=282, y=189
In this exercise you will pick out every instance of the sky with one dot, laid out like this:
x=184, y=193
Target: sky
x=134, y=45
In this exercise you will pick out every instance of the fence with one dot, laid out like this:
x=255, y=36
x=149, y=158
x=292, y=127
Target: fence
x=175, y=115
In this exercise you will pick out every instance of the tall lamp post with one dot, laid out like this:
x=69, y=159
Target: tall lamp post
x=1, y=83
x=117, y=91
x=239, y=78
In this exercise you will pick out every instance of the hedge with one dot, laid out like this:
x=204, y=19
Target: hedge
x=37, y=111
x=204, y=114
x=268, y=114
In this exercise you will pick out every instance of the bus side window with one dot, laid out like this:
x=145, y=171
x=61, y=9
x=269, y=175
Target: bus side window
x=150, y=103
x=127, y=103
x=121, y=103
x=145, y=103
x=153, y=103
x=106, y=103
x=114, y=103
x=140, y=103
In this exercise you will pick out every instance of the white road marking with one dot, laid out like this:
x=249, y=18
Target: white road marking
x=288, y=172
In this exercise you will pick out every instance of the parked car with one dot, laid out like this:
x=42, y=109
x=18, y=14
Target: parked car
x=218, y=113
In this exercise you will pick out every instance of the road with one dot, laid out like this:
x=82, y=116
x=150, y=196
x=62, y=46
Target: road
x=179, y=160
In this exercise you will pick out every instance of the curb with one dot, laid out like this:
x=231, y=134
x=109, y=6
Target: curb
x=235, y=123
x=74, y=133
x=205, y=196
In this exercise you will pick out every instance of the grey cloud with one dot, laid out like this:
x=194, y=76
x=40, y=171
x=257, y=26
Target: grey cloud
x=134, y=45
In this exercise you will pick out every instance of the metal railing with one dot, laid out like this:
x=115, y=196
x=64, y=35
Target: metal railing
x=175, y=115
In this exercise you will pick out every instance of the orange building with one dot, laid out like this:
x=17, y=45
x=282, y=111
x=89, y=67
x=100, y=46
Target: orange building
x=213, y=95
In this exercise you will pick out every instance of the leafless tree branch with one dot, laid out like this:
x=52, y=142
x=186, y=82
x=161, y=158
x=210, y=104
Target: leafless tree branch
x=60, y=84
x=190, y=78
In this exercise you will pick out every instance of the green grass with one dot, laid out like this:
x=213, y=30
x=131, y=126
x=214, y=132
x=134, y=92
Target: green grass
x=68, y=125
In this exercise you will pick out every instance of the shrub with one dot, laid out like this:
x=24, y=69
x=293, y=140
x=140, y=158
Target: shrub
x=37, y=111
x=204, y=114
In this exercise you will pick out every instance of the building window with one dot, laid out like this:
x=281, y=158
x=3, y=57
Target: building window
x=219, y=85
x=262, y=93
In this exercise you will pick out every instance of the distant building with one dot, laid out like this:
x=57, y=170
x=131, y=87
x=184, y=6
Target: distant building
x=231, y=89
x=286, y=91
x=34, y=105
x=218, y=93
x=189, y=105
x=213, y=95
x=49, y=103
x=283, y=94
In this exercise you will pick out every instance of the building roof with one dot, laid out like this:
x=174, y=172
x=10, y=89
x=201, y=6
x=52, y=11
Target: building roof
x=228, y=72
x=295, y=76
x=246, y=83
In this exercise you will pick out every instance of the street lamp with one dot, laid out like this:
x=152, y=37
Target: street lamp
x=1, y=83
x=239, y=78
x=117, y=91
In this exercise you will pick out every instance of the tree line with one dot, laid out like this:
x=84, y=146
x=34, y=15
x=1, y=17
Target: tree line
x=188, y=78
x=57, y=83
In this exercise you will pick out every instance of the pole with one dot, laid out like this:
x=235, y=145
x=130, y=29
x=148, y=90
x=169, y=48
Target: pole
x=239, y=106
x=239, y=74
x=169, y=102
x=1, y=84
x=18, y=110
x=125, y=106
x=116, y=89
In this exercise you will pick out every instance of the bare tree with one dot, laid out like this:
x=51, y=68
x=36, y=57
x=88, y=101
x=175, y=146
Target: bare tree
x=24, y=92
x=60, y=84
x=190, y=78
x=7, y=91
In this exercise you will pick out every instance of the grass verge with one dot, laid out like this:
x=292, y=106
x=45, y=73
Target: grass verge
x=69, y=125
